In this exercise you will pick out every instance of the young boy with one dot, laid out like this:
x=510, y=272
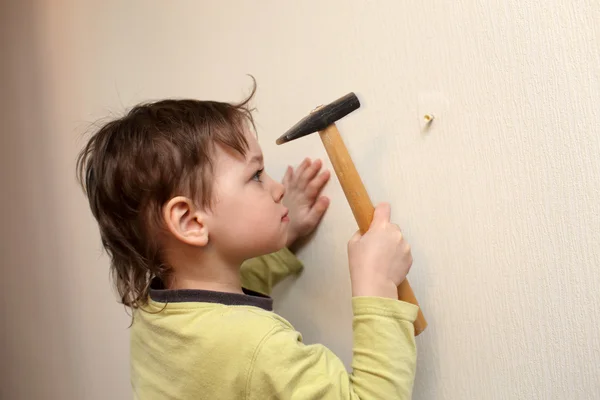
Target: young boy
x=198, y=234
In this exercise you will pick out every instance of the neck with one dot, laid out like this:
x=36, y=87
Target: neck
x=202, y=269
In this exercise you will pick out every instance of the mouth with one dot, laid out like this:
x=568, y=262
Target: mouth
x=285, y=217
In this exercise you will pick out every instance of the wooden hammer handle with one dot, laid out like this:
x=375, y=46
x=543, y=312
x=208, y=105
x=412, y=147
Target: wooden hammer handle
x=360, y=203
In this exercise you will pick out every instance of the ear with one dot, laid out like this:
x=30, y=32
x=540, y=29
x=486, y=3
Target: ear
x=185, y=221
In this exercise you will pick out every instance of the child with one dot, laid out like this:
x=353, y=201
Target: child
x=198, y=234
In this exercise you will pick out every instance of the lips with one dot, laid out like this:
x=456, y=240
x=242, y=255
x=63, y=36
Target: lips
x=285, y=215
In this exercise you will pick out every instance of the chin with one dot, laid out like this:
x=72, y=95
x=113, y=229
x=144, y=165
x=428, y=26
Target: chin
x=274, y=246
x=266, y=248
x=260, y=243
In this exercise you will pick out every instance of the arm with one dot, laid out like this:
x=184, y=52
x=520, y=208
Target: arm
x=384, y=359
x=262, y=273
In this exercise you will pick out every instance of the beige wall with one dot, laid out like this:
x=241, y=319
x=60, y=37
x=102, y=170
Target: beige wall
x=500, y=198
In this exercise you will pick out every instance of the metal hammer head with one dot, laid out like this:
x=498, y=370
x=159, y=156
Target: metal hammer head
x=321, y=118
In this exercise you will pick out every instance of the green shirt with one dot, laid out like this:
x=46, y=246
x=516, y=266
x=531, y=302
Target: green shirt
x=194, y=344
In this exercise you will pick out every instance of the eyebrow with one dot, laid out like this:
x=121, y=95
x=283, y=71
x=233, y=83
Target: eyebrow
x=258, y=158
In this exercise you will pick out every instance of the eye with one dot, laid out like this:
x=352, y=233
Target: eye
x=257, y=175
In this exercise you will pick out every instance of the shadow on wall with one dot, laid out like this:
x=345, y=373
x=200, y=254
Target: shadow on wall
x=37, y=349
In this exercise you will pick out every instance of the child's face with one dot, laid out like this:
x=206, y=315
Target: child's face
x=248, y=218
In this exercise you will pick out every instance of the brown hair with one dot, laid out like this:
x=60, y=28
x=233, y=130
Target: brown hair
x=133, y=165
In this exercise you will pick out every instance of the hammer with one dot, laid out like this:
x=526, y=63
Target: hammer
x=323, y=120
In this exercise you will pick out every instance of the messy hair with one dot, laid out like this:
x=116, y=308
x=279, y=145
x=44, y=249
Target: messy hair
x=133, y=165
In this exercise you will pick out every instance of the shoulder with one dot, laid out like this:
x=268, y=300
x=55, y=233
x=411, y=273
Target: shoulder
x=216, y=323
x=256, y=323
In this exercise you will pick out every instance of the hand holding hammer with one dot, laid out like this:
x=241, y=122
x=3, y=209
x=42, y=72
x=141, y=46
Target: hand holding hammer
x=323, y=120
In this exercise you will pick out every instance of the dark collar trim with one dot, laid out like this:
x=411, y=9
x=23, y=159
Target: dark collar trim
x=249, y=298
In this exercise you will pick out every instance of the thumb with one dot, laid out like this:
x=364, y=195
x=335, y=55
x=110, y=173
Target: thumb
x=355, y=238
x=382, y=214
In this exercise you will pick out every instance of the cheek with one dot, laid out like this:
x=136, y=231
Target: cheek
x=262, y=213
x=250, y=208
x=260, y=208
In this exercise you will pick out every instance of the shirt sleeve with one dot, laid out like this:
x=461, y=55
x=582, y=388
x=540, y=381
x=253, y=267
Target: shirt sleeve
x=262, y=273
x=383, y=362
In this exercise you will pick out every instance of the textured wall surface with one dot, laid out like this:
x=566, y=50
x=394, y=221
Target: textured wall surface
x=500, y=197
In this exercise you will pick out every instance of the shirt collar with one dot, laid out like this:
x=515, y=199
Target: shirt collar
x=159, y=293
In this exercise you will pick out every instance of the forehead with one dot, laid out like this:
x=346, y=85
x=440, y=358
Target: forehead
x=253, y=146
x=226, y=157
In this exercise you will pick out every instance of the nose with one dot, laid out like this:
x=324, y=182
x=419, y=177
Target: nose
x=278, y=190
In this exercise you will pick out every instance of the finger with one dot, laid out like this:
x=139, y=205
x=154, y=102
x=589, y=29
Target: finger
x=318, y=210
x=316, y=185
x=300, y=170
x=309, y=173
x=381, y=215
x=288, y=176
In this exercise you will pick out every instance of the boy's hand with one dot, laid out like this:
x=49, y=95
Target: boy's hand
x=380, y=259
x=302, y=188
